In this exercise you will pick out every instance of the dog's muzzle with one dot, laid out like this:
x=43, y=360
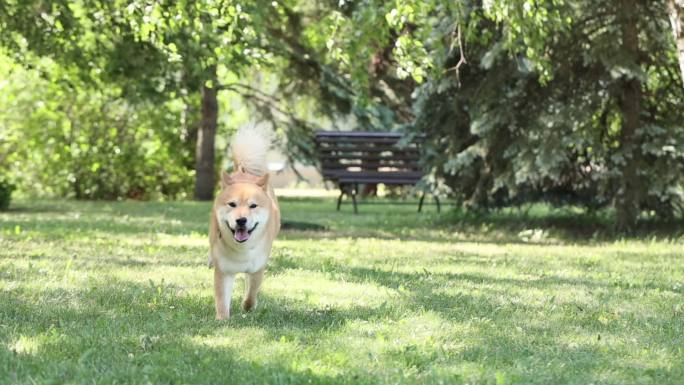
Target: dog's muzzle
x=241, y=233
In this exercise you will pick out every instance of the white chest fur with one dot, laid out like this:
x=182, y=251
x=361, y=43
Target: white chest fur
x=241, y=260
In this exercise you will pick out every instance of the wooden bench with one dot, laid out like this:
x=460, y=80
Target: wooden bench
x=350, y=158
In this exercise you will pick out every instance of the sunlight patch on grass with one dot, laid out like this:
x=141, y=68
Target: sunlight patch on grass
x=26, y=345
x=319, y=289
x=245, y=339
x=194, y=240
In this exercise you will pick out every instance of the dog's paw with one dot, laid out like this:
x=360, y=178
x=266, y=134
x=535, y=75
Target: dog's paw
x=249, y=304
x=221, y=317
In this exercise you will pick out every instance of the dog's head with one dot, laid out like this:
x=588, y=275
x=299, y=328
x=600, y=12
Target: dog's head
x=242, y=208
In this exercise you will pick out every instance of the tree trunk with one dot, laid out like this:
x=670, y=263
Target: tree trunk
x=629, y=195
x=677, y=20
x=479, y=199
x=204, y=155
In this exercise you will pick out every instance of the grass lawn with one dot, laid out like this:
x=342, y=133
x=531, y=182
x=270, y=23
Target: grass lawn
x=119, y=293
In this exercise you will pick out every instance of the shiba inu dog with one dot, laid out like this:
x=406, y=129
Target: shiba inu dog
x=245, y=220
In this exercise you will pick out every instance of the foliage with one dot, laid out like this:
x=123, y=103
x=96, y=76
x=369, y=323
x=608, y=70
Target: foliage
x=623, y=75
x=148, y=49
x=147, y=52
x=521, y=100
x=118, y=292
x=71, y=140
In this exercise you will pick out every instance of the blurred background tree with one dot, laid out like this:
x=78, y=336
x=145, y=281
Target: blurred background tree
x=567, y=101
x=145, y=53
x=677, y=20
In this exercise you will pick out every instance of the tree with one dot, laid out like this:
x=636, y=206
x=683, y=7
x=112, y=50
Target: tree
x=568, y=101
x=152, y=50
x=202, y=36
x=69, y=138
x=630, y=193
x=521, y=100
x=677, y=19
x=634, y=73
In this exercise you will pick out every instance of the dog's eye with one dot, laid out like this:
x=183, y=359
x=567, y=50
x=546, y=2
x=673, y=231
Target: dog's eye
x=253, y=206
x=232, y=204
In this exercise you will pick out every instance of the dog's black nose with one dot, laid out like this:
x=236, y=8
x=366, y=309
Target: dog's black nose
x=241, y=221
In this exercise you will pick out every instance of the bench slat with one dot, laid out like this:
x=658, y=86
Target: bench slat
x=378, y=174
x=357, y=134
x=358, y=140
x=373, y=167
x=370, y=157
x=373, y=150
x=364, y=134
x=396, y=182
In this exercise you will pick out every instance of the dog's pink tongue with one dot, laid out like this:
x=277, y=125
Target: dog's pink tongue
x=241, y=235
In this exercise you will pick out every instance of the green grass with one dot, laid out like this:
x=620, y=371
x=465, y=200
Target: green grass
x=119, y=293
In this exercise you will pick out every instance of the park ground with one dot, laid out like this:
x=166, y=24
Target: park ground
x=119, y=293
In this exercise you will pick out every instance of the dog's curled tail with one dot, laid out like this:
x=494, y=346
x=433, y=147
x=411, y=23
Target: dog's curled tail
x=249, y=147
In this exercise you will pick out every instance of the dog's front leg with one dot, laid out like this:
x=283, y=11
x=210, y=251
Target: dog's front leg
x=253, y=284
x=223, y=291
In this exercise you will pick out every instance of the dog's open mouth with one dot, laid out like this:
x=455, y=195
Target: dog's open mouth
x=241, y=233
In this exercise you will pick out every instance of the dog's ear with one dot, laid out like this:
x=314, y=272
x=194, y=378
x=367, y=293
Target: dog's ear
x=226, y=179
x=262, y=181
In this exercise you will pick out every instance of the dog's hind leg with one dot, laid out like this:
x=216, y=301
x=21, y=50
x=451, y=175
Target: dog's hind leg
x=252, y=288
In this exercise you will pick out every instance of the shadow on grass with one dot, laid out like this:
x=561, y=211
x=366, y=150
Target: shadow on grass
x=565, y=224
x=130, y=332
x=316, y=219
x=38, y=209
x=498, y=342
x=560, y=224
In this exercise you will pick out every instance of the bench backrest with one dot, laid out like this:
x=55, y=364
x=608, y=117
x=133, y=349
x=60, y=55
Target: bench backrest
x=368, y=157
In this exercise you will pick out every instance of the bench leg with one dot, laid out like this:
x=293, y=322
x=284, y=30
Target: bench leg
x=354, y=190
x=339, y=200
x=422, y=199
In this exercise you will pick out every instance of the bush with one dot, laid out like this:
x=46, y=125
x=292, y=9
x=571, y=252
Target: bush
x=89, y=142
x=6, y=189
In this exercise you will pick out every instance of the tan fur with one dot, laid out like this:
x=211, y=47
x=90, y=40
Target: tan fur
x=229, y=257
x=244, y=194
